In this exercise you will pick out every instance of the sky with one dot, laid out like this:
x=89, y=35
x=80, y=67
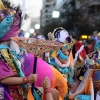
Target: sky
x=32, y=7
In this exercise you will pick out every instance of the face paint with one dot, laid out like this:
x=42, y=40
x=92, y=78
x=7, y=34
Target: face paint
x=62, y=56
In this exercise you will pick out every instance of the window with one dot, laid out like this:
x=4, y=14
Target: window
x=46, y=10
x=47, y=6
x=48, y=16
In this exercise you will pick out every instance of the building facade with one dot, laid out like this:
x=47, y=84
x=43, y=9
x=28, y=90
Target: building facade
x=90, y=10
x=46, y=13
x=77, y=15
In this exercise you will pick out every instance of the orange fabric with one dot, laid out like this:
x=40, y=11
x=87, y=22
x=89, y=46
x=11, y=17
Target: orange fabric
x=87, y=88
x=60, y=98
x=60, y=83
x=30, y=96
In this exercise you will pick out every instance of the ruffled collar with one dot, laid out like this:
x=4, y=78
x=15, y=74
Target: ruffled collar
x=62, y=65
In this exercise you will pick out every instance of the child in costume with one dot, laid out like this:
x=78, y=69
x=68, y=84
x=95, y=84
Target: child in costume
x=77, y=46
x=93, y=62
x=61, y=61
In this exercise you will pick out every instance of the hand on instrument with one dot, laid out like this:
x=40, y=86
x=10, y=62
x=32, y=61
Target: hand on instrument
x=32, y=78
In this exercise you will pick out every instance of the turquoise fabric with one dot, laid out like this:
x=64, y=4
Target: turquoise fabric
x=89, y=61
x=6, y=24
x=36, y=96
x=60, y=69
x=62, y=56
x=83, y=97
x=65, y=70
x=98, y=61
x=70, y=78
x=65, y=47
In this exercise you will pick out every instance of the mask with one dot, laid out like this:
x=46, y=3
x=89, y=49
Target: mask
x=62, y=56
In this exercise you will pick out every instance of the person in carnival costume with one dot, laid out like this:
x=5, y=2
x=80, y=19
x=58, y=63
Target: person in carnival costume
x=12, y=79
x=93, y=62
x=82, y=87
x=62, y=58
x=77, y=46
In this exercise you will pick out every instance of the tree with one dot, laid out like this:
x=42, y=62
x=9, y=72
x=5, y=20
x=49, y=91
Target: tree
x=74, y=22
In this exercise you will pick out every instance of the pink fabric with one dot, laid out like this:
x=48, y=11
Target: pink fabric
x=5, y=70
x=43, y=69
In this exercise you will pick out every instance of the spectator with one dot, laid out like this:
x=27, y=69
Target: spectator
x=77, y=46
x=88, y=47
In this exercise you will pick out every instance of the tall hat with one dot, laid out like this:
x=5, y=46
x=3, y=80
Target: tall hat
x=9, y=22
x=61, y=35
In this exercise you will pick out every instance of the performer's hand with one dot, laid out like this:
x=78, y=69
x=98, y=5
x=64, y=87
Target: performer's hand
x=32, y=78
x=46, y=83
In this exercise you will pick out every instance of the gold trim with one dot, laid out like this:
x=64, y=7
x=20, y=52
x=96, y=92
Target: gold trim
x=38, y=47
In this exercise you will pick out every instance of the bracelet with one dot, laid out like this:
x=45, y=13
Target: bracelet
x=25, y=80
x=47, y=90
